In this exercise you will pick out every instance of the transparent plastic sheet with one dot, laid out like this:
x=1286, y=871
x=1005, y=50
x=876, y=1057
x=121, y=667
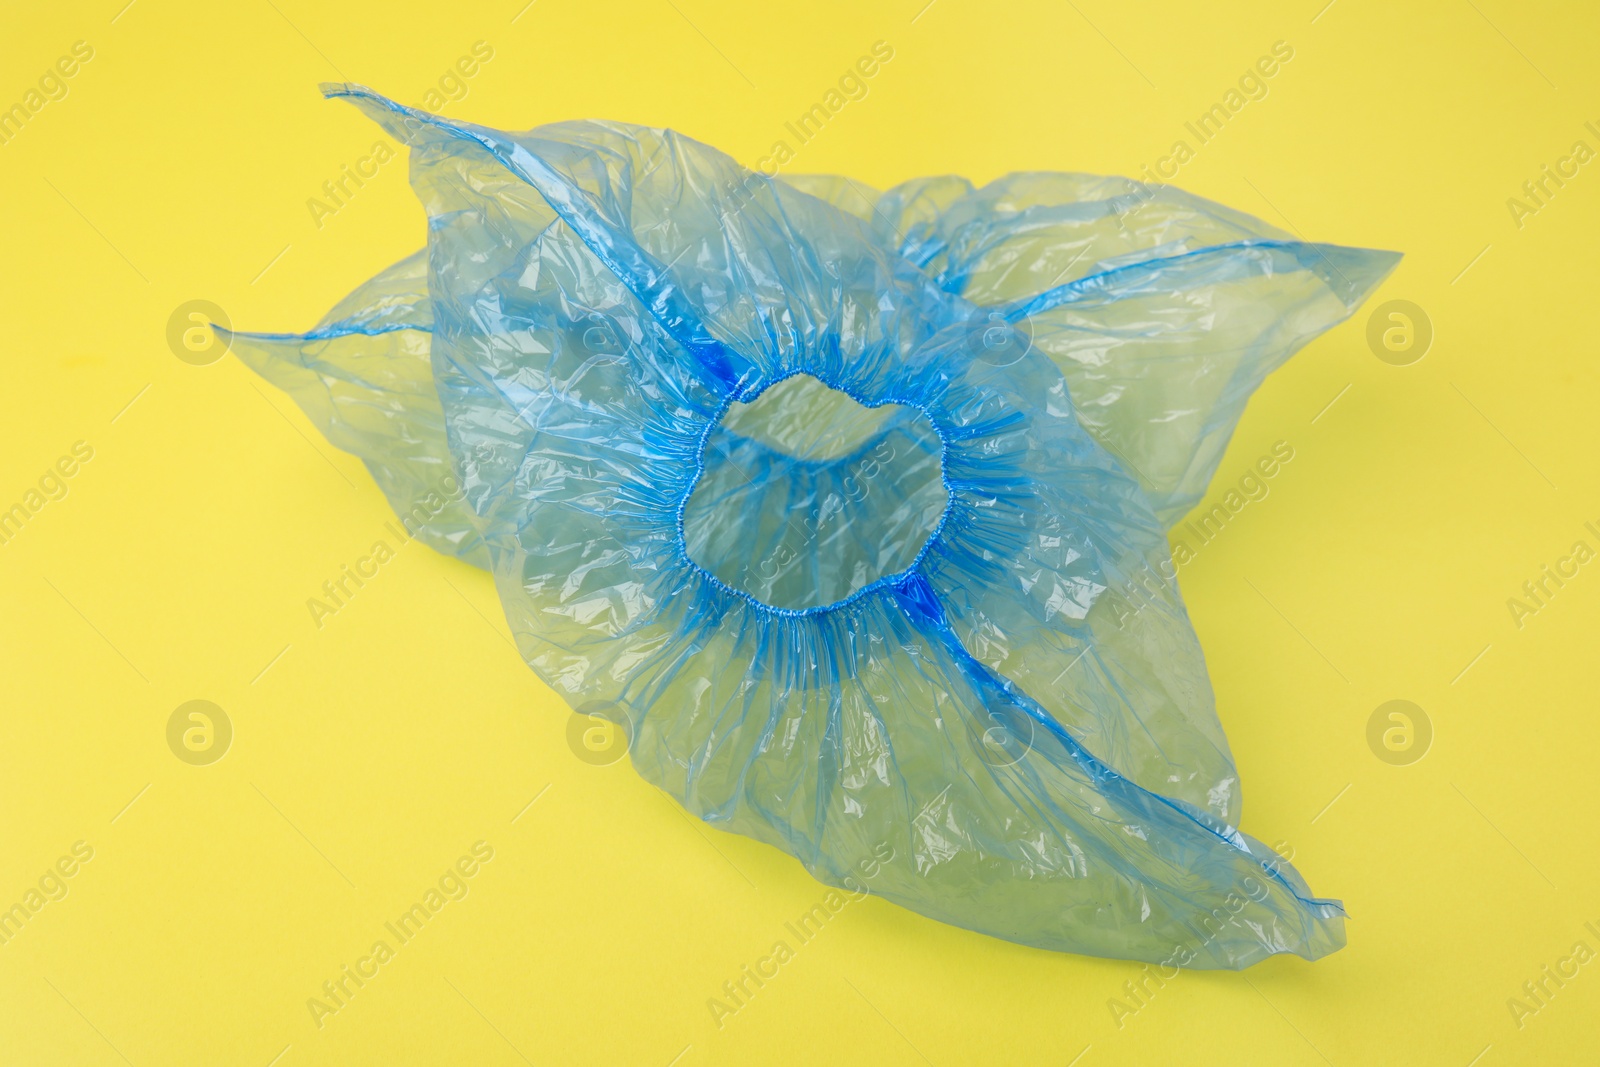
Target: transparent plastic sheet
x=817, y=492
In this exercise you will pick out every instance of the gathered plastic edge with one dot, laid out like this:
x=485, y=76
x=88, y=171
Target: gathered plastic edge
x=888, y=581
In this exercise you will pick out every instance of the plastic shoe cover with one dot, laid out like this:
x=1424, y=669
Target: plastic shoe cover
x=816, y=490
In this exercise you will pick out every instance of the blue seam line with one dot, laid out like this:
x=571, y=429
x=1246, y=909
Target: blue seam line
x=660, y=304
x=1096, y=768
x=887, y=581
x=1051, y=299
x=323, y=333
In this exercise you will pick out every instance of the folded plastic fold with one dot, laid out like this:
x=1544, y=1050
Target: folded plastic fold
x=817, y=490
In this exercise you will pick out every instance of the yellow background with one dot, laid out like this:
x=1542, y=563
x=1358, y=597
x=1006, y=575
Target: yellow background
x=370, y=754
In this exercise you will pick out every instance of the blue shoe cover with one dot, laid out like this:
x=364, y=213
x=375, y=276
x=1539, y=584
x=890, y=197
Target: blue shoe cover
x=819, y=491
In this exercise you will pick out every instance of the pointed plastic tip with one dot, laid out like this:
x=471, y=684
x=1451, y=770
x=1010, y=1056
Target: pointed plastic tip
x=1352, y=273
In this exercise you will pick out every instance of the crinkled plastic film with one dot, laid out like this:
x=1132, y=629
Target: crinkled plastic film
x=818, y=492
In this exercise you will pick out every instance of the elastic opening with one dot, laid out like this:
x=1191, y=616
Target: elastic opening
x=806, y=498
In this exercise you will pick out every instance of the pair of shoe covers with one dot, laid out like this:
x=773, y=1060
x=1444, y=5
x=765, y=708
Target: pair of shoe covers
x=850, y=507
